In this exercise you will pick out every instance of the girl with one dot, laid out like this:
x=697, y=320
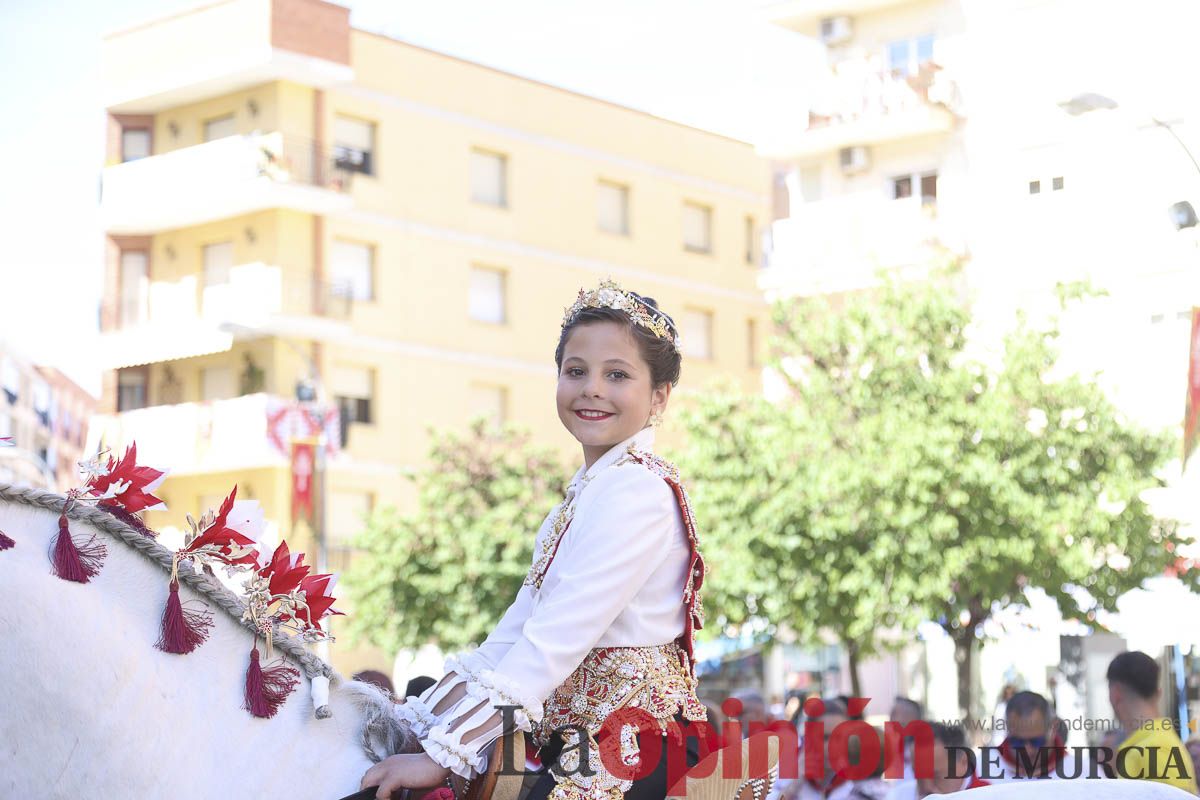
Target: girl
x=605, y=618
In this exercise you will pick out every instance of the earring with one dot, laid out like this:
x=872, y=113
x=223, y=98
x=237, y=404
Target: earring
x=656, y=419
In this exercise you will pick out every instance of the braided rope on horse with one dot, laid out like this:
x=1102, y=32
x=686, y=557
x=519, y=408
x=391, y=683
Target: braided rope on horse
x=156, y=553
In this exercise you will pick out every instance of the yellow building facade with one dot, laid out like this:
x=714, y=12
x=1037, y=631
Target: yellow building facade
x=289, y=198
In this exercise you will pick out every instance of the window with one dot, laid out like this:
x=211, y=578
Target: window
x=929, y=189
x=752, y=342
x=1057, y=184
x=11, y=379
x=218, y=261
x=489, y=402
x=696, y=332
x=902, y=187
x=352, y=267
x=219, y=128
x=135, y=144
x=697, y=228
x=216, y=383
x=489, y=178
x=1035, y=187
x=612, y=208
x=135, y=286
x=348, y=512
x=131, y=389
x=906, y=56
x=41, y=402
x=354, y=145
x=486, y=295
x=354, y=388
x=751, y=243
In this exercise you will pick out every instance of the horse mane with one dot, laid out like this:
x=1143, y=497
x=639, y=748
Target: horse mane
x=162, y=556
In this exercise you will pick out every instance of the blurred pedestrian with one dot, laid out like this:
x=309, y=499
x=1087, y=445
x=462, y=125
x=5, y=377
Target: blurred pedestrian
x=953, y=768
x=905, y=711
x=416, y=686
x=830, y=785
x=1151, y=750
x=754, y=710
x=1031, y=750
x=376, y=678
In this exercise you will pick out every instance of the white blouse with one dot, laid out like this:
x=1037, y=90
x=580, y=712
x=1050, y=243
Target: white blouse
x=616, y=580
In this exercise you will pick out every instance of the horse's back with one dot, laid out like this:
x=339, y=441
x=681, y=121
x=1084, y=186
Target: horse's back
x=93, y=709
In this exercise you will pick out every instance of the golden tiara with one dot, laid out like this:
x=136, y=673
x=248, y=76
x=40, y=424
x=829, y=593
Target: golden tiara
x=610, y=295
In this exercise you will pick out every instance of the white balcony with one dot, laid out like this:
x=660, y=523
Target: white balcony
x=861, y=105
x=224, y=178
x=179, y=319
x=222, y=47
x=191, y=438
x=843, y=244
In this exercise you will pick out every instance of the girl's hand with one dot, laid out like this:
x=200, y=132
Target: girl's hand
x=415, y=771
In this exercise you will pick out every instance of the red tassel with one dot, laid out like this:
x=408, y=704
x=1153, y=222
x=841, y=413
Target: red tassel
x=266, y=689
x=183, y=630
x=75, y=563
x=6, y=543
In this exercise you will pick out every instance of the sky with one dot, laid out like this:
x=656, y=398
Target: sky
x=714, y=64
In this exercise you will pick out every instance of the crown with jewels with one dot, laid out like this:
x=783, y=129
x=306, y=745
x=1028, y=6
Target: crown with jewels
x=610, y=295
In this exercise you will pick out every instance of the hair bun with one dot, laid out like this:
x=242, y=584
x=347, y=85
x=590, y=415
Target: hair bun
x=650, y=301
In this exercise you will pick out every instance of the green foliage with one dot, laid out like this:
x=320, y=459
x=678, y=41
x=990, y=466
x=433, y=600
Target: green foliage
x=910, y=474
x=446, y=572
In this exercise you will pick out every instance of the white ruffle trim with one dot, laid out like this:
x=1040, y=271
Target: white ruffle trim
x=467, y=665
x=417, y=714
x=500, y=691
x=446, y=749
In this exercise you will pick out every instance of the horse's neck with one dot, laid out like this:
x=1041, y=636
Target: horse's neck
x=91, y=708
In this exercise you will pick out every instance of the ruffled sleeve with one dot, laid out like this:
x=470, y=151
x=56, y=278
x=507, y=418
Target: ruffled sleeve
x=619, y=536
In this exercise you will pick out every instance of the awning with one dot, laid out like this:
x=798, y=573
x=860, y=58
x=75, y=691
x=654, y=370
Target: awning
x=154, y=342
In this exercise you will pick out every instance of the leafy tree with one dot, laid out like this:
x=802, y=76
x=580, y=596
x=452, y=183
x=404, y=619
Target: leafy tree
x=446, y=572
x=908, y=474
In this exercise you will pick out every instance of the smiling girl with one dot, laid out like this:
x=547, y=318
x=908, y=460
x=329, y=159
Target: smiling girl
x=605, y=618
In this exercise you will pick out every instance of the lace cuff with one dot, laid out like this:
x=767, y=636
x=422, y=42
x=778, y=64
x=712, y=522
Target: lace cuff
x=417, y=714
x=460, y=739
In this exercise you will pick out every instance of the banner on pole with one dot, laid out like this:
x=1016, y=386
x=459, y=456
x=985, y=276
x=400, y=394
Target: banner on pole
x=1191, y=414
x=303, y=464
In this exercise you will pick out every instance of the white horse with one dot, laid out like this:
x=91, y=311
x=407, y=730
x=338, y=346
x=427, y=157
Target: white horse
x=91, y=709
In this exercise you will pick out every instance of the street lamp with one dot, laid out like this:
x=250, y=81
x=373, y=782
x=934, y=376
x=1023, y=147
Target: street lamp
x=1182, y=214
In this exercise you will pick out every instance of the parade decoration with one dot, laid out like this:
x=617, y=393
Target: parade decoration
x=282, y=596
x=120, y=487
x=610, y=295
x=227, y=537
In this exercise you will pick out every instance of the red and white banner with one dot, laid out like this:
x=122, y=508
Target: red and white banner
x=303, y=466
x=289, y=420
x=1191, y=414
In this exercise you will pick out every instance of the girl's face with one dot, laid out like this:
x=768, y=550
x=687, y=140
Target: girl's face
x=604, y=389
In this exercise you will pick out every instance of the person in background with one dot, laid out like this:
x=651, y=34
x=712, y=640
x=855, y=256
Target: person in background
x=754, y=709
x=1134, y=691
x=416, y=686
x=904, y=712
x=952, y=768
x=831, y=785
x=999, y=714
x=376, y=678
x=1029, y=722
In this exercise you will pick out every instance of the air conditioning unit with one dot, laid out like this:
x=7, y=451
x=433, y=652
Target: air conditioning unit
x=854, y=160
x=836, y=30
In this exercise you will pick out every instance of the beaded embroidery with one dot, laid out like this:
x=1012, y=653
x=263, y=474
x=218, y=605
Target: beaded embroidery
x=558, y=528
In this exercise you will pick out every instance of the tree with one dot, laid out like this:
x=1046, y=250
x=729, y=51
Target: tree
x=908, y=476
x=445, y=572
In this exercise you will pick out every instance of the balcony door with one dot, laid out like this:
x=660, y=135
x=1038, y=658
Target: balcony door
x=135, y=287
x=218, y=266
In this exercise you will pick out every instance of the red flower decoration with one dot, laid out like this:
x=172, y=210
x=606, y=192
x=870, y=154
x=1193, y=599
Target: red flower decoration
x=131, y=484
x=286, y=573
x=221, y=541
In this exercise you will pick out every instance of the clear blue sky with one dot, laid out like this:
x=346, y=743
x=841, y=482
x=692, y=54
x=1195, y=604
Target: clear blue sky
x=708, y=63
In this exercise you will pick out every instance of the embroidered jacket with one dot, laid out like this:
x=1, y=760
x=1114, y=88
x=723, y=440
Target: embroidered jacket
x=611, y=598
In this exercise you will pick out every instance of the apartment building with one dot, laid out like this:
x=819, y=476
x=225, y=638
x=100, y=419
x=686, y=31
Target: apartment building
x=296, y=208
x=1010, y=137
x=46, y=414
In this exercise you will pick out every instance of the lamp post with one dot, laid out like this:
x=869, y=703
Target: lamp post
x=1181, y=213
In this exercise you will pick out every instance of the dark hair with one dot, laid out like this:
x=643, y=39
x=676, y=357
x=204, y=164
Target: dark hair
x=417, y=686
x=1022, y=704
x=948, y=735
x=913, y=705
x=660, y=354
x=1136, y=670
x=377, y=678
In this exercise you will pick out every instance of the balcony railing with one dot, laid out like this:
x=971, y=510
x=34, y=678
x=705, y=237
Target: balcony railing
x=223, y=178
x=857, y=92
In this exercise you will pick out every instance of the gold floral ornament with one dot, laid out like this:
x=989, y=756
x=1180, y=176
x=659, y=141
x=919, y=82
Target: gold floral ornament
x=610, y=295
